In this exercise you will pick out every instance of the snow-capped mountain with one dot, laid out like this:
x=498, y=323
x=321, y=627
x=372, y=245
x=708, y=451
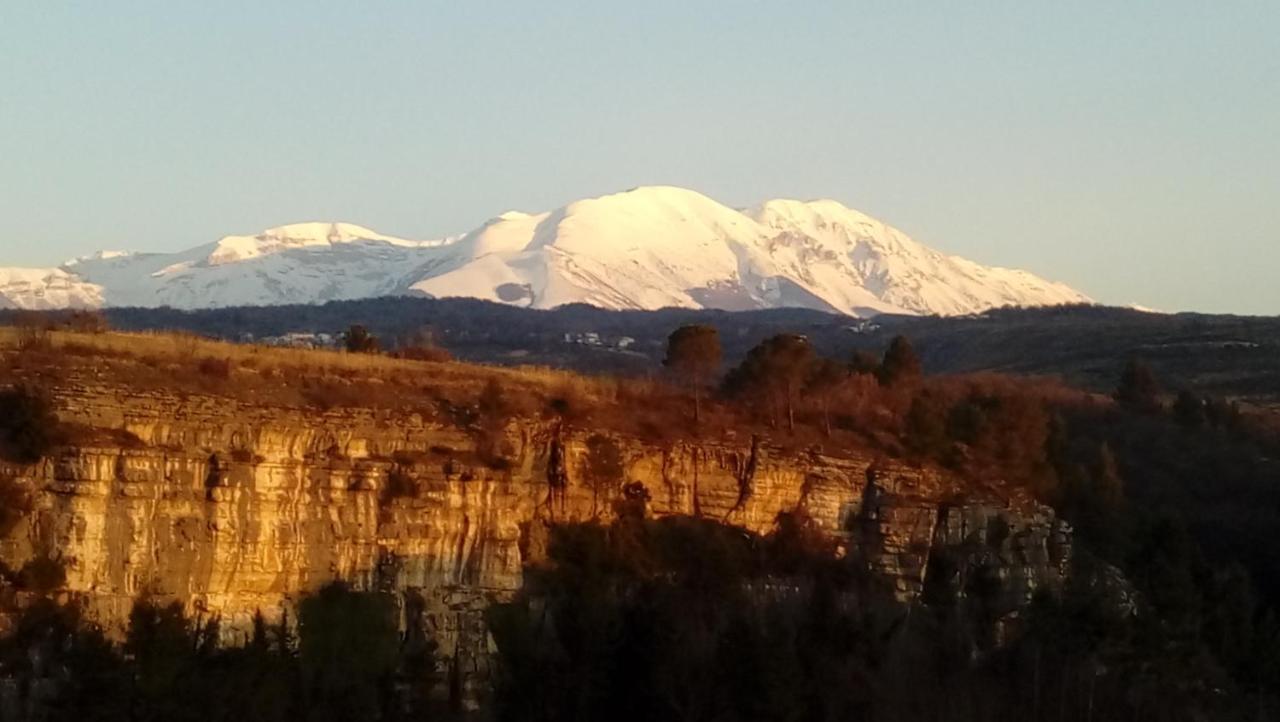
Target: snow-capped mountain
x=300, y=263
x=645, y=248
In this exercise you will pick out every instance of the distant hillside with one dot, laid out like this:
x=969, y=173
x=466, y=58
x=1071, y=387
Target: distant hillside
x=1229, y=355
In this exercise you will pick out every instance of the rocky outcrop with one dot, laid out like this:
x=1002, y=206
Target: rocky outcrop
x=235, y=509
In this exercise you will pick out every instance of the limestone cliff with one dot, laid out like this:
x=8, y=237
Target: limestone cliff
x=234, y=508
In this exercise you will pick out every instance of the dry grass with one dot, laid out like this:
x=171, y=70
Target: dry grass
x=158, y=348
x=324, y=379
x=860, y=413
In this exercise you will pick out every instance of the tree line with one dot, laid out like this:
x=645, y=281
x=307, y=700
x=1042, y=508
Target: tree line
x=345, y=660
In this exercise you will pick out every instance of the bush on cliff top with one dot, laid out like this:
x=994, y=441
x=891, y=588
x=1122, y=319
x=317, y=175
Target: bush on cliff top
x=28, y=427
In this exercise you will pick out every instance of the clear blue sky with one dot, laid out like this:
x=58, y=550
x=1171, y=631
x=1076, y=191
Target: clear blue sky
x=1130, y=148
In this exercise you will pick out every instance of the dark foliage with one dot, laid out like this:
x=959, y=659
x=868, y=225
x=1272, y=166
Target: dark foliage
x=347, y=652
x=42, y=575
x=772, y=375
x=901, y=365
x=15, y=503
x=1211, y=355
x=1138, y=387
x=687, y=619
x=28, y=427
x=347, y=664
x=357, y=339
x=215, y=368
x=694, y=355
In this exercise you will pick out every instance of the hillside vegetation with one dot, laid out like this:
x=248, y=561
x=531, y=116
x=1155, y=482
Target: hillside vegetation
x=1232, y=356
x=1175, y=491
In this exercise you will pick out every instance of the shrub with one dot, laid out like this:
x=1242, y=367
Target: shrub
x=86, y=321
x=243, y=456
x=15, y=504
x=28, y=427
x=215, y=368
x=1138, y=388
x=901, y=365
x=359, y=340
x=347, y=649
x=33, y=333
x=42, y=575
x=400, y=485
x=422, y=353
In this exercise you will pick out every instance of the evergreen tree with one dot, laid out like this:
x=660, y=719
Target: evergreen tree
x=864, y=362
x=1138, y=390
x=693, y=354
x=348, y=649
x=774, y=372
x=901, y=365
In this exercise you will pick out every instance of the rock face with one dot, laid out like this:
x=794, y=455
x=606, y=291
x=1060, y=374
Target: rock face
x=236, y=509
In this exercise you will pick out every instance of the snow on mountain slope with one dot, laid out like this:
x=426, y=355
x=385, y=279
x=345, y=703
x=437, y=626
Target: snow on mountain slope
x=645, y=248
x=836, y=250
x=659, y=246
x=300, y=263
x=46, y=288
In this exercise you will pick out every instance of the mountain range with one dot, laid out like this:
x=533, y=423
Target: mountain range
x=646, y=248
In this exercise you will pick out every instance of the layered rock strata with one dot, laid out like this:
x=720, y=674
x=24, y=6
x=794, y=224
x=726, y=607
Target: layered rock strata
x=235, y=509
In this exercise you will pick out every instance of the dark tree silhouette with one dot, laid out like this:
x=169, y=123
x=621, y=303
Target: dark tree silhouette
x=1138, y=389
x=359, y=340
x=774, y=371
x=864, y=362
x=693, y=353
x=1190, y=410
x=29, y=429
x=347, y=647
x=901, y=364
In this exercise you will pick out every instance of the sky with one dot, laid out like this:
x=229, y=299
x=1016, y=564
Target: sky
x=1130, y=149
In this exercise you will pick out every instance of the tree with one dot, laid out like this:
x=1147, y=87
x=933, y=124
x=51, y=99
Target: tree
x=775, y=370
x=825, y=376
x=347, y=647
x=693, y=353
x=901, y=365
x=926, y=425
x=1138, y=389
x=87, y=321
x=1190, y=410
x=359, y=340
x=29, y=429
x=604, y=467
x=864, y=362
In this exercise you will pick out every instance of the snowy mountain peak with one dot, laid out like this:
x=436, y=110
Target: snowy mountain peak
x=785, y=214
x=98, y=256
x=232, y=249
x=43, y=288
x=644, y=248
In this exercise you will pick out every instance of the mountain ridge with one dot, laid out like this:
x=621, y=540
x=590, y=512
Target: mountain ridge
x=645, y=248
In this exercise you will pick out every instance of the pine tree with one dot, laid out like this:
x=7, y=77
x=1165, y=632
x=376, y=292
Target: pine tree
x=774, y=371
x=1138, y=389
x=901, y=365
x=693, y=353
